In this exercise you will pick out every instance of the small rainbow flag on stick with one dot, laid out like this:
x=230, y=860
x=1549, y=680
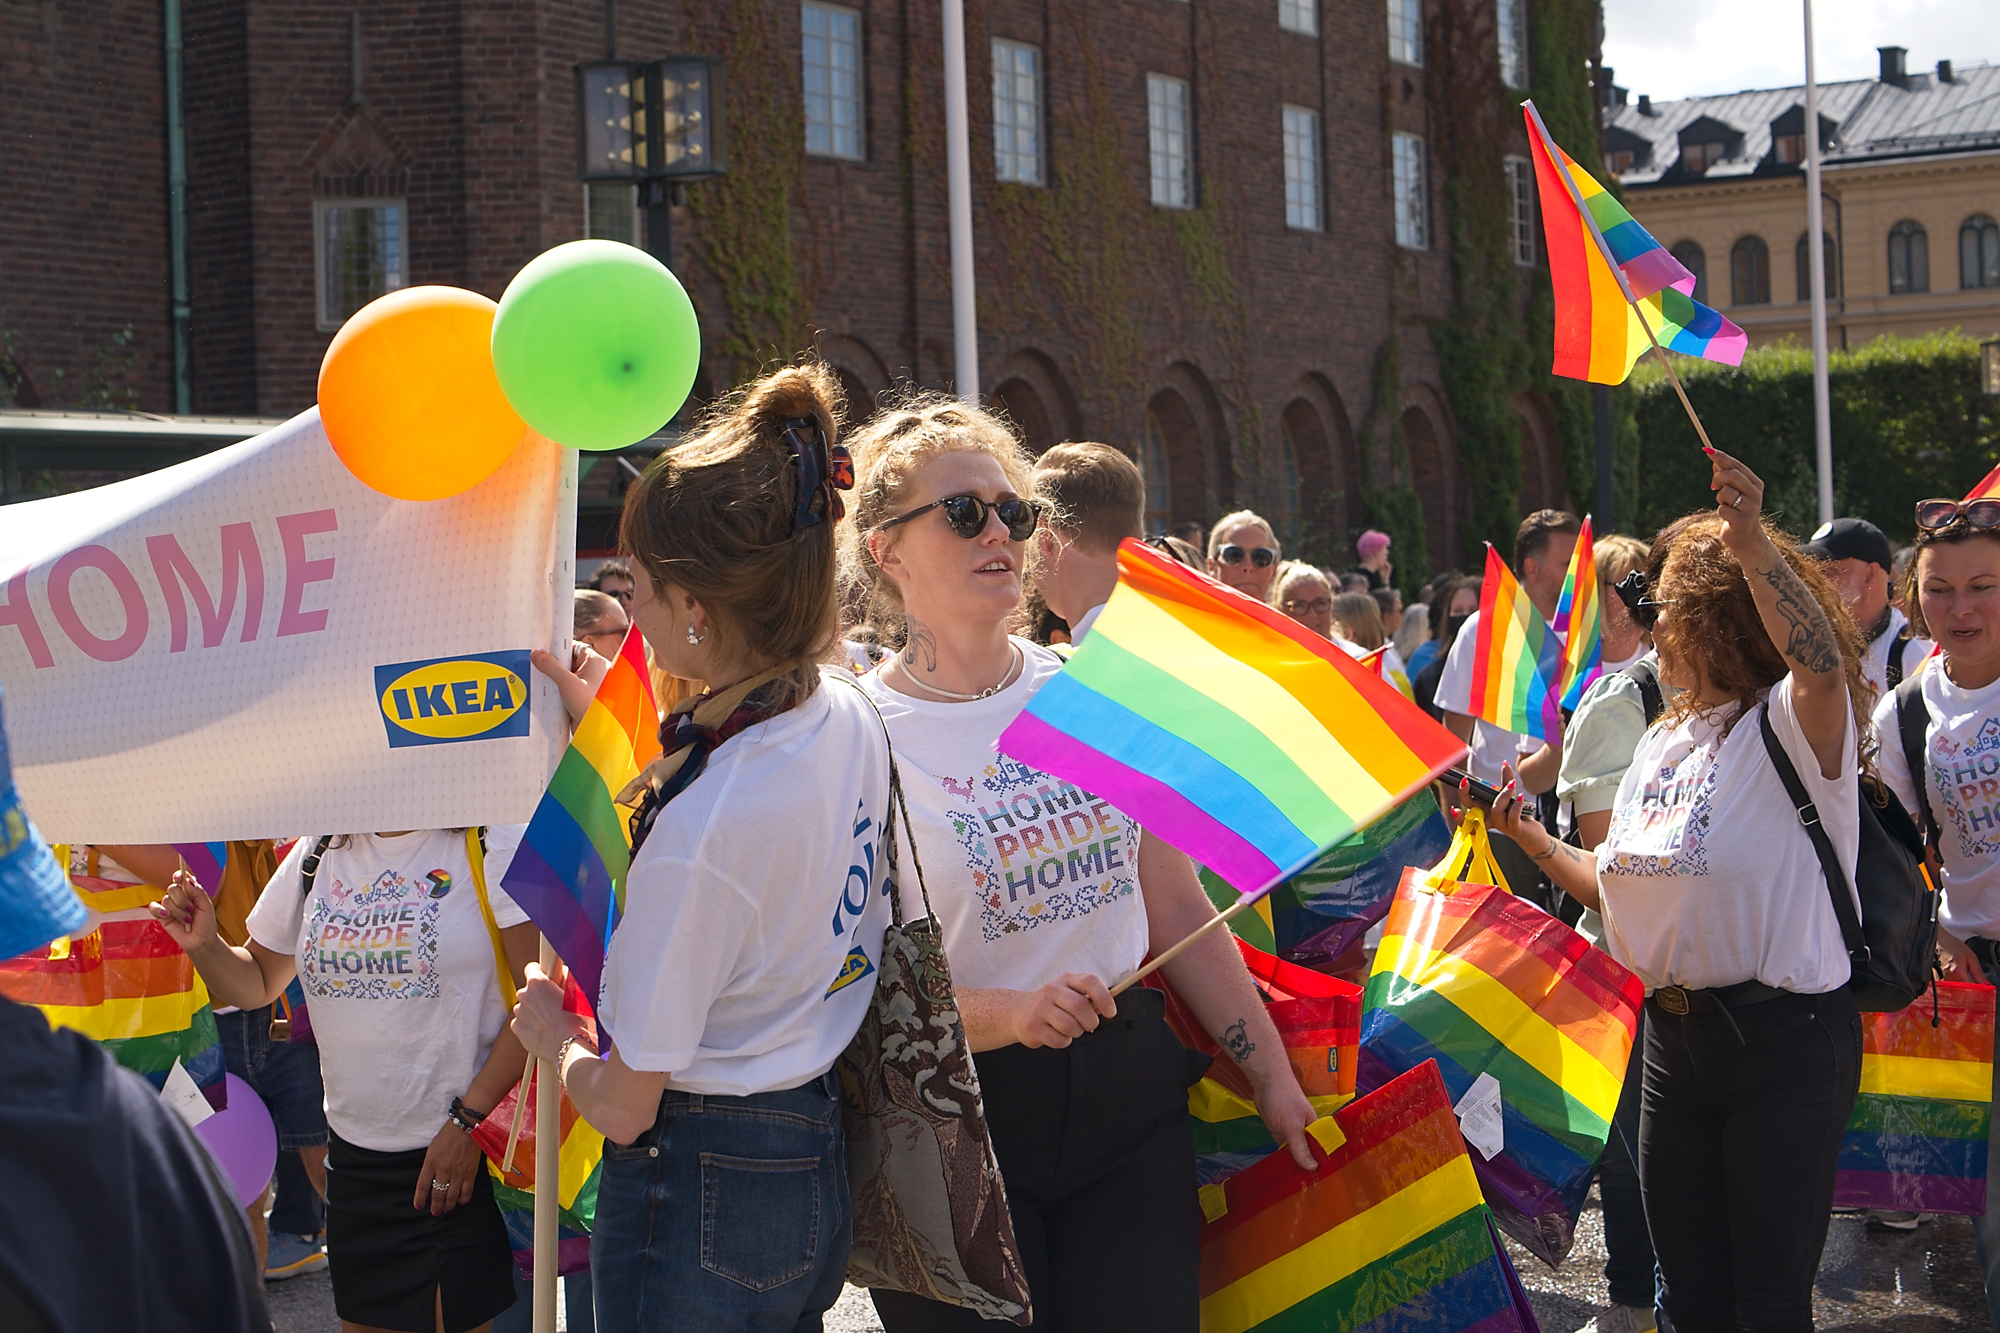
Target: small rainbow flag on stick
x=1517, y=666
x=1988, y=487
x=569, y=873
x=1917, y=1139
x=1580, y=620
x=1389, y=1233
x=1247, y=740
x=1608, y=271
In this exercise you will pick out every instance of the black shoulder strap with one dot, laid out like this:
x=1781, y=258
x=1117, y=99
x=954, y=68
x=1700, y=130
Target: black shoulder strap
x=1892, y=675
x=1913, y=720
x=309, y=864
x=1649, y=690
x=1829, y=861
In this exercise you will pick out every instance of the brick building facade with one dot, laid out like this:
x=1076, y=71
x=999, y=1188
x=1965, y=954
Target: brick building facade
x=1230, y=337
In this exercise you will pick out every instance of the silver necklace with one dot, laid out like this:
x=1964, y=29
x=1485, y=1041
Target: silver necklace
x=987, y=693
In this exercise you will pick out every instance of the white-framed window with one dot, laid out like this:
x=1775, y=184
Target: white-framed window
x=1299, y=16
x=1521, y=193
x=1411, y=197
x=1017, y=112
x=1406, y=32
x=1301, y=168
x=1513, y=26
x=830, y=56
x=1170, y=131
x=362, y=252
x=611, y=212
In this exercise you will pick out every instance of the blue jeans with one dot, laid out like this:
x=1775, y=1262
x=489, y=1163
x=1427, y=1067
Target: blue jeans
x=729, y=1215
x=287, y=1076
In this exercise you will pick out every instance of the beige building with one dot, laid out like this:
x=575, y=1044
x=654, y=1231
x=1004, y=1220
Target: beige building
x=1911, y=178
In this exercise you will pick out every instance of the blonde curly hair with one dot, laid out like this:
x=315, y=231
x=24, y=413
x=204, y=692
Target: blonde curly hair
x=891, y=448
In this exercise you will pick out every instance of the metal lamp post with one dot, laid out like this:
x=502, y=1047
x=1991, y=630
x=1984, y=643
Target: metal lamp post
x=656, y=125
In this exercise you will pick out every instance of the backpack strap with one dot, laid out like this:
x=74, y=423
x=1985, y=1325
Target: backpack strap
x=1650, y=696
x=1892, y=675
x=475, y=852
x=1829, y=861
x=309, y=863
x=1913, y=720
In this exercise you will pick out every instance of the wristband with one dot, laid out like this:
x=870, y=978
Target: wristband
x=562, y=1054
x=464, y=1116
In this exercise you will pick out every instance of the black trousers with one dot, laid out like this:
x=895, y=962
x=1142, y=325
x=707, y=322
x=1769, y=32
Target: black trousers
x=1628, y=1250
x=1098, y=1155
x=1739, y=1135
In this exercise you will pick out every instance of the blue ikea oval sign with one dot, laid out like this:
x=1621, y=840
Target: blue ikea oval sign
x=478, y=697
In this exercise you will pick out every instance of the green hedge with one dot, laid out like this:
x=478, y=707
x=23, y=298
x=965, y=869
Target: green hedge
x=1909, y=422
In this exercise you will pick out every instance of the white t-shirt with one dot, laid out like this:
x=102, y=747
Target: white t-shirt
x=755, y=909
x=1707, y=877
x=1962, y=745
x=1875, y=661
x=1030, y=876
x=398, y=969
x=1491, y=746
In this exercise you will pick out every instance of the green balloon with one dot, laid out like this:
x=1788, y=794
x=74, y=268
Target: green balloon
x=596, y=344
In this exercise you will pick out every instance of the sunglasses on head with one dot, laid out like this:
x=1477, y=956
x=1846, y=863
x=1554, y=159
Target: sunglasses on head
x=1936, y=515
x=967, y=515
x=1261, y=556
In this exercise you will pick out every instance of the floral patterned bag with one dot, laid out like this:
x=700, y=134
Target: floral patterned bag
x=930, y=1210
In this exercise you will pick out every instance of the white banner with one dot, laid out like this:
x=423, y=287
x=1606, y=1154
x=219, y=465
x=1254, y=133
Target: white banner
x=254, y=644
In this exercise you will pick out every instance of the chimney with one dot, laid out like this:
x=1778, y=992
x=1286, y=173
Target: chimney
x=1605, y=86
x=1646, y=104
x=1892, y=64
x=1944, y=71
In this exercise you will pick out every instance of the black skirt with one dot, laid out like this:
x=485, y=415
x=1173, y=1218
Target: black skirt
x=389, y=1261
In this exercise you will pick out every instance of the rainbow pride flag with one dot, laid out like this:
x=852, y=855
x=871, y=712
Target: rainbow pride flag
x=569, y=873
x=205, y=861
x=1317, y=915
x=1988, y=487
x=1481, y=982
x=1604, y=268
x=1917, y=1139
x=1390, y=1233
x=1580, y=620
x=1517, y=665
x=128, y=986
x=1244, y=738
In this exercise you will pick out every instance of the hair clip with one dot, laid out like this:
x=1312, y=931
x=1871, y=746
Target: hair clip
x=820, y=483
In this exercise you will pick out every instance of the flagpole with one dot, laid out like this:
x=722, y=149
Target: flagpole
x=1177, y=950
x=1604, y=250
x=1816, y=254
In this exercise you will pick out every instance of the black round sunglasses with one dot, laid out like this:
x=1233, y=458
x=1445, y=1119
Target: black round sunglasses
x=967, y=515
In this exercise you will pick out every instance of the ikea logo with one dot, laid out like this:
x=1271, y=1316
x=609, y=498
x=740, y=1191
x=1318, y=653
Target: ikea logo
x=475, y=698
x=852, y=968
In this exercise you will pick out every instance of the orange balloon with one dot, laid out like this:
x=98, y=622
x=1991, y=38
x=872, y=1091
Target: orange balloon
x=408, y=396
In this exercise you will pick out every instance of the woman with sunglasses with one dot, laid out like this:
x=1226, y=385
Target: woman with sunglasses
x=1046, y=894
x=1243, y=552
x=1713, y=896
x=1944, y=721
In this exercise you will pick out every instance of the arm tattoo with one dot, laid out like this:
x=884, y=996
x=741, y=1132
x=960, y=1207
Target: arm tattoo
x=1810, y=642
x=921, y=640
x=1236, y=1040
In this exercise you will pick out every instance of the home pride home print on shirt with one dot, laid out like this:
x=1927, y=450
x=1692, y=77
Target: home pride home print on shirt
x=1039, y=848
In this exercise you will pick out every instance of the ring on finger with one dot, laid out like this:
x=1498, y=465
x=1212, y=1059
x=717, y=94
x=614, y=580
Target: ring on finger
x=439, y=1186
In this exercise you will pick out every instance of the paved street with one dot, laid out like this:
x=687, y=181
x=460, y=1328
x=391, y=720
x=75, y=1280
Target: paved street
x=1895, y=1282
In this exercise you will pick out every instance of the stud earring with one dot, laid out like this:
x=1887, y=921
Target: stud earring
x=694, y=638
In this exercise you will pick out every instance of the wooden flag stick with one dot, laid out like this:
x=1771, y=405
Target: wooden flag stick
x=548, y=1175
x=1240, y=905
x=520, y=1114
x=1672, y=378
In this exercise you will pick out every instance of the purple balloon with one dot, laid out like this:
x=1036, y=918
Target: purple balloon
x=243, y=1139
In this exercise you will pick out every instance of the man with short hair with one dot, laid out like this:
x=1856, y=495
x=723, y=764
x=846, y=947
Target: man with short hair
x=614, y=579
x=1096, y=498
x=1543, y=545
x=1857, y=557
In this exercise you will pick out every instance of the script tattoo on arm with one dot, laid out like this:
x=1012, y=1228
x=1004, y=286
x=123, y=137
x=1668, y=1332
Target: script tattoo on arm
x=1236, y=1040
x=1809, y=640
x=923, y=642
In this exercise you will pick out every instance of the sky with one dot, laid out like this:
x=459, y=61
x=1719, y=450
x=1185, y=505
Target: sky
x=1696, y=47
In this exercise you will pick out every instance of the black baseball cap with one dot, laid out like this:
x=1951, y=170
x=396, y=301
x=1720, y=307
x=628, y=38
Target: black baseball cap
x=1851, y=539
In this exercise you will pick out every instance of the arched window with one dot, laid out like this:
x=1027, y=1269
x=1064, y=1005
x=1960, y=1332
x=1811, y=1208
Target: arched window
x=1802, y=261
x=1750, y=272
x=1291, y=506
x=1695, y=260
x=1909, y=258
x=1159, y=481
x=1979, y=252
